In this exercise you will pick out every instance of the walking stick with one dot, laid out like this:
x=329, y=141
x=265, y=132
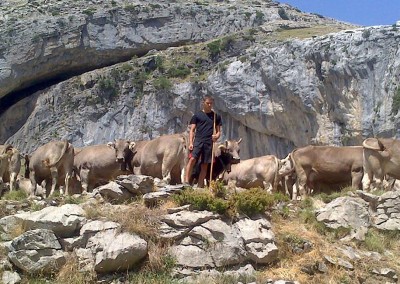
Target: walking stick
x=212, y=152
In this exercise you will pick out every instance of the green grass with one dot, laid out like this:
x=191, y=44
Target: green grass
x=17, y=195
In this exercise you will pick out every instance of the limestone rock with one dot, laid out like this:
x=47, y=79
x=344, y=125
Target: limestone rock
x=64, y=221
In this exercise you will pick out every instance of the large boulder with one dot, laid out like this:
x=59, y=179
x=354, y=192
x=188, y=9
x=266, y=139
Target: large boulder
x=64, y=221
x=37, y=251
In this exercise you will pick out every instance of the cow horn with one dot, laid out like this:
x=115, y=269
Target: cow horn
x=240, y=140
x=373, y=144
x=7, y=148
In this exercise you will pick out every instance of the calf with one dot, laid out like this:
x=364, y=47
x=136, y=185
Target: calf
x=256, y=172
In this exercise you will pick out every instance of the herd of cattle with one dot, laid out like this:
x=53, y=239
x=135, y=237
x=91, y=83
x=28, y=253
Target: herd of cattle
x=308, y=169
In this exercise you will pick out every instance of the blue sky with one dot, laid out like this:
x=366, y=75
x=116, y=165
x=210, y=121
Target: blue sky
x=360, y=12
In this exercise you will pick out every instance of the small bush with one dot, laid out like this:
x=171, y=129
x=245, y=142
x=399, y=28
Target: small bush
x=180, y=71
x=379, y=241
x=162, y=83
x=201, y=200
x=282, y=14
x=366, y=34
x=73, y=200
x=108, y=86
x=374, y=242
x=89, y=11
x=15, y=195
x=252, y=201
x=259, y=16
x=218, y=189
x=396, y=101
x=214, y=48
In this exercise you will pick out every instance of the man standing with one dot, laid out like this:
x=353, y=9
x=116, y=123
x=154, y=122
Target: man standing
x=201, y=138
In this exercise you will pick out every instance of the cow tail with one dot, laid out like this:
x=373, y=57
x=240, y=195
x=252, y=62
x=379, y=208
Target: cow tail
x=27, y=170
x=64, y=150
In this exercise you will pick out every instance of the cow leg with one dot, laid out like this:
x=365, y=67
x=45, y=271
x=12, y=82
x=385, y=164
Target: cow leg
x=166, y=167
x=268, y=186
x=33, y=185
x=68, y=176
x=356, y=179
x=54, y=176
x=84, y=175
x=13, y=180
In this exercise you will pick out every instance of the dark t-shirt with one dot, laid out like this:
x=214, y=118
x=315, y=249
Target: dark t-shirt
x=204, y=125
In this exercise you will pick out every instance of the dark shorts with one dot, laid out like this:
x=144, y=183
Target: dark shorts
x=202, y=150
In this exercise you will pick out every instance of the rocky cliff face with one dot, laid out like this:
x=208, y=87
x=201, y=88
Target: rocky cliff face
x=291, y=80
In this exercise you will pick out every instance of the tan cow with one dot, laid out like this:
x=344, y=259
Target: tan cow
x=10, y=165
x=381, y=158
x=256, y=172
x=164, y=157
x=324, y=165
x=102, y=163
x=52, y=163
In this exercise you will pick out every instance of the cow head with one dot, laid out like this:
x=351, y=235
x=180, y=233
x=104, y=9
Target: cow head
x=228, y=153
x=123, y=152
x=286, y=166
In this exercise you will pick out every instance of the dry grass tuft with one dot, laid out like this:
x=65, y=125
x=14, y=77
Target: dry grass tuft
x=138, y=219
x=71, y=272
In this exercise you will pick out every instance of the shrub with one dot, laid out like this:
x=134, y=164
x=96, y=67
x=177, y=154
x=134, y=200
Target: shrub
x=218, y=188
x=366, y=34
x=252, y=201
x=180, y=71
x=201, y=200
x=396, y=101
x=108, y=86
x=282, y=14
x=214, y=48
x=259, y=16
x=89, y=11
x=15, y=195
x=162, y=83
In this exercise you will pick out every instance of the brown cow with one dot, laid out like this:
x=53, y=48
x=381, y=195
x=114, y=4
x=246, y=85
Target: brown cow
x=52, y=163
x=101, y=163
x=324, y=165
x=381, y=158
x=10, y=165
x=164, y=157
x=256, y=172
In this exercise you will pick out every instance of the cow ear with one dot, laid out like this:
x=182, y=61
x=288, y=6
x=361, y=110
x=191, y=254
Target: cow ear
x=111, y=144
x=240, y=140
x=132, y=145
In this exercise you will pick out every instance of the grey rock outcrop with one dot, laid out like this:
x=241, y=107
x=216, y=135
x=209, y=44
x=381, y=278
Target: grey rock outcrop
x=64, y=221
x=37, y=251
x=346, y=212
x=387, y=215
x=202, y=240
x=44, y=40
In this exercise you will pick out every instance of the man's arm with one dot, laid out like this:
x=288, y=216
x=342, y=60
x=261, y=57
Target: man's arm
x=191, y=136
x=217, y=134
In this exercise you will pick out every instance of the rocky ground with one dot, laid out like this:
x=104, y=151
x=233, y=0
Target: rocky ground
x=108, y=237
